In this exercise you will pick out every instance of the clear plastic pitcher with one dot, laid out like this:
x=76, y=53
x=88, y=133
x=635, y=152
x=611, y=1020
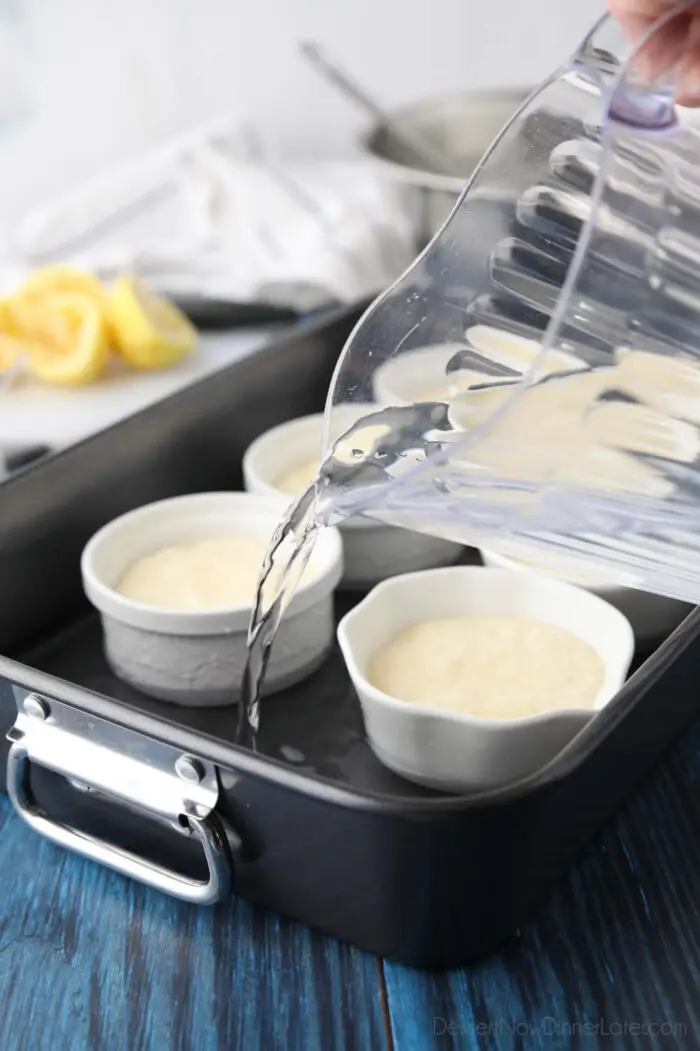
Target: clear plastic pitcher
x=534, y=378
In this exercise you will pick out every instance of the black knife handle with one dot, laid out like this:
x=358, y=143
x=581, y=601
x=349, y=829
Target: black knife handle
x=208, y=313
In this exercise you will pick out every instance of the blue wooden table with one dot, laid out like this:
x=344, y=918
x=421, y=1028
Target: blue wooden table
x=89, y=960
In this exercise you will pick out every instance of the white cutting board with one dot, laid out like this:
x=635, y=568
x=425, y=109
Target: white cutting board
x=34, y=414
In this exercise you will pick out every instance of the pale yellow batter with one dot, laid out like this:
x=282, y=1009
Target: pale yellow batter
x=494, y=667
x=299, y=478
x=440, y=392
x=214, y=573
x=348, y=451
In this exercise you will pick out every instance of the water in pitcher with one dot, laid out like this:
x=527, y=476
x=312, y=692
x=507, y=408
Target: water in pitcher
x=565, y=461
x=579, y=234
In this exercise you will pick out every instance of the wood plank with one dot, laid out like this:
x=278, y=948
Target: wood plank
x=91, y=961
x=617, y=946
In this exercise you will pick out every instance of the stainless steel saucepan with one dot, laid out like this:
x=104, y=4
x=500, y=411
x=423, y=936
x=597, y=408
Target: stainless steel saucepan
x=461, y=126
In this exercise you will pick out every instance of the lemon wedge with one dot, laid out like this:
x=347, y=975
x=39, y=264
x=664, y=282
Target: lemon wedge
x=12, y=346
x=55, y=280
x=148, y=331
x=10, y=351
x=66, y=339
x=10, y=318
x=22, y=312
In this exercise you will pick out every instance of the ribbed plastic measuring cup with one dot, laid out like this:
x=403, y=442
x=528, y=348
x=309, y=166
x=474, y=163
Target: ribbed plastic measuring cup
x=555, y=326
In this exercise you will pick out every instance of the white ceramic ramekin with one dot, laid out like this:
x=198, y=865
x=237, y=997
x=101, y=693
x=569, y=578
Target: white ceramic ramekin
x=419, y=374
x=414, y=376
x=463, y=753
x=372, y=551
x=197, y=659
x=653, y=617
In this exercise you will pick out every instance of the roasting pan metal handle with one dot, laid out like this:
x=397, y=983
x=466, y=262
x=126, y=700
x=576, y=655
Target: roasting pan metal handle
x=126, y=767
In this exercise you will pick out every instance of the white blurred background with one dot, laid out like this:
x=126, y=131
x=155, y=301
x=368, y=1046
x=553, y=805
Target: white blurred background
x=86, y=82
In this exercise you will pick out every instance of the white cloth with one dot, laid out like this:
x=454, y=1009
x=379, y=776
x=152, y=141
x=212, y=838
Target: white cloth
x=203, y=216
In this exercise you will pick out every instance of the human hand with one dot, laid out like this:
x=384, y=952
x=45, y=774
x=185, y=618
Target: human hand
x=676, y=45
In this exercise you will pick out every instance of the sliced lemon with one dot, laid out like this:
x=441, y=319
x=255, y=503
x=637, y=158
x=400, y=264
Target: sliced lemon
x=9, y=319
x=148, y=331
x=67, y=341
x=55, y=280
x=11, y=350
x=19, y=311
x=12, y=346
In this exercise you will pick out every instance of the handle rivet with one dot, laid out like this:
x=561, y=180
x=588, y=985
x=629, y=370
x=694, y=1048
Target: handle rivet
x=35, y=707
x=189, y=769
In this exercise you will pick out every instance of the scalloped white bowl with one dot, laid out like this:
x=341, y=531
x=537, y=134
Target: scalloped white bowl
x=457, y=752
